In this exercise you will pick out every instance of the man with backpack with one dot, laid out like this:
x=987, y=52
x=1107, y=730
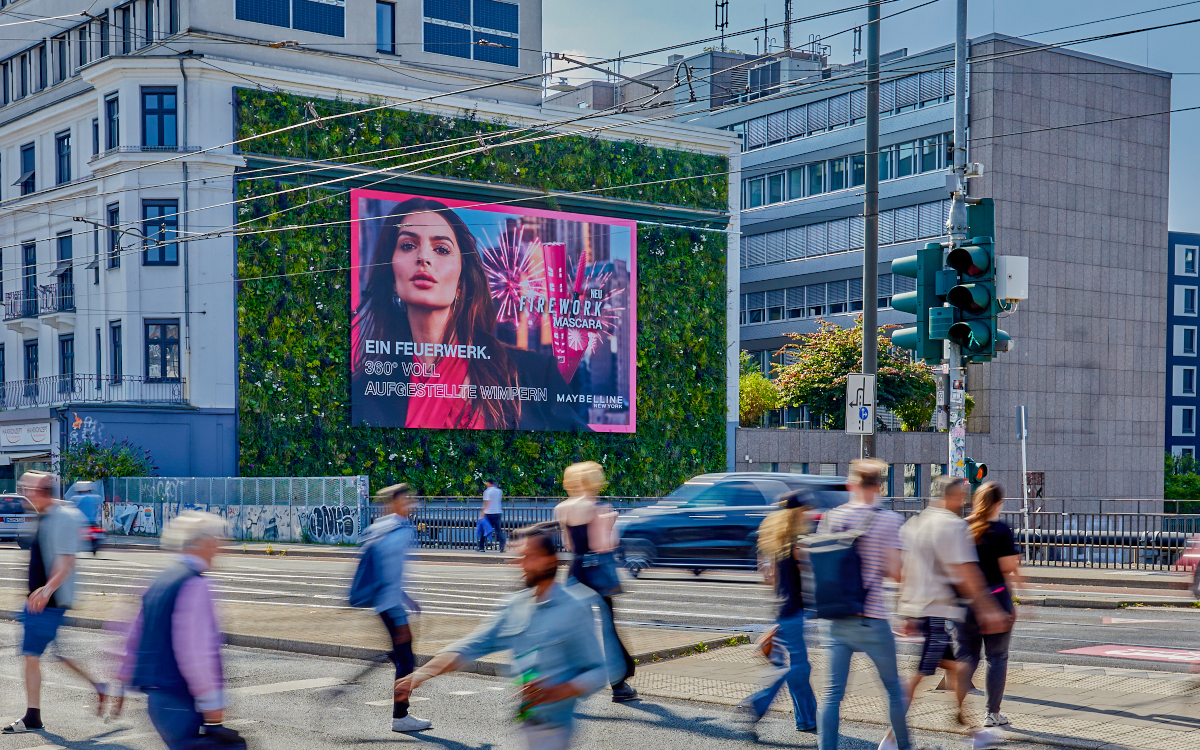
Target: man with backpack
x=856, y=546
x=379, y=583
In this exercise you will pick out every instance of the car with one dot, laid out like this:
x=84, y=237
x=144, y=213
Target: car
x=18, y=520
x=711, y=521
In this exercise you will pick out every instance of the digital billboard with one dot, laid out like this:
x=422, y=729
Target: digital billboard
x=483, y=316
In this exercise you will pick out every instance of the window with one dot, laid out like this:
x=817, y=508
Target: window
x=1188, y=422
x=160, y=222
x=43, y=79
x=158, y=118
x=795, y=183
x=816, y=178
x=1185, y=341
x=385, y=27
x=162, y=350
x=887, y=156
x=754, y=193
x=3, y=372
x=125, y=19
x=99, y=361
x=29, y=296
x=62, y=158
x=906, y=159
x=320, y=17
x=66, y=363
x=173, y=16
x=28, y=178
x=6, y=71
x=775, y=188
x=81, y=45
x=858, y=170
x=114, y=343
x=930, y=149
x=62, y=61
x=838, y=178
x=95, y=136
x=912, y=480
x=66, y=274
x=1189, y=260
x=24, y=88
x=31, y=361
x=754, y=305
x=112, y=121
x=96, y=257
x=149, y=19
x=1189, y=300
x=105, y=31
x=1187, y=385
x=487, y=30
x=114, y=236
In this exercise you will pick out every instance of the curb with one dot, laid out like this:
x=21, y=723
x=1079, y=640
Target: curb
x=1131, y=583
x=1081, y=603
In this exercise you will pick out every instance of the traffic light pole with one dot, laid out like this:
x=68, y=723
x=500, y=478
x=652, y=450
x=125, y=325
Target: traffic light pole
x=956, y=223
x=870, y=341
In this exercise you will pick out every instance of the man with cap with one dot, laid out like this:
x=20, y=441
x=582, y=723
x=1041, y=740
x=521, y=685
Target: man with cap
x=394, y=536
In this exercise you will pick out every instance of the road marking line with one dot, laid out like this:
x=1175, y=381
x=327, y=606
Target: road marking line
x=411, y=699
x=463, y=692
x=283, y=687
x=1128, y=620
x=1142, y=653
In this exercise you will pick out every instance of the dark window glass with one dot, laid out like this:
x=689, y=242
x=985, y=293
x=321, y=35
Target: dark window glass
x=816, y=178
x=62, y=158
x=125, y=18
x=775, y=313
x=99, y=360
x=318, y=17
x=775, y=188
x=81, y=44
x=838, y=179
x=149, y=18
x=114, y=342
x=173, y=19
x=756, y=316
x=95, y=136
x=272, y=12
x=7, y=71
x=66, y=362
x=1189, y=260
x=1189, y=421
x=930, y=148
x=795, y=183
x=756, y=193
x=162, y=350
x=66, y=274
x=455, y=11
x=1189, y=301
x=29, y=296
x=28, y=178
x=31, y=360
x=447, y=40
x=1189, y=380
x=886, y=155
x=858, y=170
x=385, y=28
x=906, y=159
x=24, y=90
x=114, y=237
x=43, y=68
x=105, y=32
x=61, y=59
x=160, y=223
x=112, y=122
x=496, y=15
x=159, y=111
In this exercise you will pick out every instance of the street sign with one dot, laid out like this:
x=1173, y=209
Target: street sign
x=860, y=404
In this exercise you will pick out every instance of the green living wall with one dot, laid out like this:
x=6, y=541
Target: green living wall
x=294, y=306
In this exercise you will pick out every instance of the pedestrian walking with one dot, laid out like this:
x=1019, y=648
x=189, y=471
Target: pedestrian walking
x=589, y=533
x=1001, y=565
x=380, y=583
x=52, y=552
x=878, y=550
x=492, y=512
x=173, y=652
x=940, y=568
x=552, y=636
x=777, y=552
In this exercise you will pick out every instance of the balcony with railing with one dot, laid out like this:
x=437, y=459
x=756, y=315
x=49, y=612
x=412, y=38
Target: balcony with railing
x=56, y=305
x=21, y=312
x=59, y=390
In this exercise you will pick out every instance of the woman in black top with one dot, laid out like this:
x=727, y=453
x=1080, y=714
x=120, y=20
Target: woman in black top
x=1000, y=563
x=777, y=552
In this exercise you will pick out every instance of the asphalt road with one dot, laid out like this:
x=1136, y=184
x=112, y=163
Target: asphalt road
x=675, y=599
x=288, y=702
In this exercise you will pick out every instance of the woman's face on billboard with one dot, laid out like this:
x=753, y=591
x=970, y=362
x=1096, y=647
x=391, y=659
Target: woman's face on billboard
x=427, y=262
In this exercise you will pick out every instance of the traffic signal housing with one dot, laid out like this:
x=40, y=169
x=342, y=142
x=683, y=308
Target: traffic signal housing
x=924, y=267
x=974, y=296
x=976, y=472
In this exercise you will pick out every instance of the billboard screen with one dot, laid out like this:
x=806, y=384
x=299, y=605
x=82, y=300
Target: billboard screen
x=481, y=316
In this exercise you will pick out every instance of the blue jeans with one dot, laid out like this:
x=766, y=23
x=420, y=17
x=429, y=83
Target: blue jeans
x=873, y=637
x=790, y=635
x=174, y=716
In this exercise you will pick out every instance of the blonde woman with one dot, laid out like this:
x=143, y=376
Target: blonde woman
x=588, y=532
x=777, y=552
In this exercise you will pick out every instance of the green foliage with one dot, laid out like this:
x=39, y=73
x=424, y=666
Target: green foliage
x=89, y=461
x=819, y=363
x=1181, y=480
x=756, y=394
x=293, y=330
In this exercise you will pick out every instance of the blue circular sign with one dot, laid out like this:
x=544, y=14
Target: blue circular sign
x=863, y=413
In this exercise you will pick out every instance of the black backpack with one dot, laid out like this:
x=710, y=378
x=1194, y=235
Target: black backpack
x=833, y=585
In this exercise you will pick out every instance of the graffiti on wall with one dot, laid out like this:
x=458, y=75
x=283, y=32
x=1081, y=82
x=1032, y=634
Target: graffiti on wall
x=133, y=519
x=332, y=524
x=85, y=429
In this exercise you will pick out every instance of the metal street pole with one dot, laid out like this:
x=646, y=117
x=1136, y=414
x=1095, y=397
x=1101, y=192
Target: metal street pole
x=870, y=343
x=956, y=223
x=1023, y=428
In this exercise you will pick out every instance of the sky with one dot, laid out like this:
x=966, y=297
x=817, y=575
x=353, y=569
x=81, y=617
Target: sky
x=622, y=27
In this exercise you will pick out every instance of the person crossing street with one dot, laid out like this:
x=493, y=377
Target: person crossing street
x=492, y=513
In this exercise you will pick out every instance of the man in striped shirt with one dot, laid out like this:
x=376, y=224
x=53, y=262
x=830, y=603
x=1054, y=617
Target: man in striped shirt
x=870, y=633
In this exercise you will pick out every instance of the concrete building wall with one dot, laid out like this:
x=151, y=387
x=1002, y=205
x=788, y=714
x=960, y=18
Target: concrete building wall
x=1088, y=206
x=1183, y=329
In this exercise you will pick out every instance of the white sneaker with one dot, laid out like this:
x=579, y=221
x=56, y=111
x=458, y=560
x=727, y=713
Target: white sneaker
x=411, y=723
x=889, y=743
x=985, y=738
x=996, y=720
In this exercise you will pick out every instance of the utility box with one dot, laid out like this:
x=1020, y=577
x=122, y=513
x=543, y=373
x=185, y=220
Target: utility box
x=1012, y=277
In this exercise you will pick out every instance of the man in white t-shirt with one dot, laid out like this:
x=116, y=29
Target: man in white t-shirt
x=492, y=512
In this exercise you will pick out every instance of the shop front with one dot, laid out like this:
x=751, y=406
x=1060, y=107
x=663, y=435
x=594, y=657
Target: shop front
x=27, y=443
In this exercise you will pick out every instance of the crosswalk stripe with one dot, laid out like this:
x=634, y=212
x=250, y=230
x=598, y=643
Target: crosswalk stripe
x=283, y=687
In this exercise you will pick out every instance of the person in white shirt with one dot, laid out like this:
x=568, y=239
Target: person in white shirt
x=492, y=512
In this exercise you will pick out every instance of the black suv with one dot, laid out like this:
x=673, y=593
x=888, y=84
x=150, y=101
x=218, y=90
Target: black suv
x=711, y=521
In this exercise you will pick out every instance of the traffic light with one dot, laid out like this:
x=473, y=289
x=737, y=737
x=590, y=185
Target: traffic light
x=975, y=474
x=924, y=267
x=974, y=296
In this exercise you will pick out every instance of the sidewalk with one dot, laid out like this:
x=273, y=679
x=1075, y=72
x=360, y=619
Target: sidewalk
x=1060, y=706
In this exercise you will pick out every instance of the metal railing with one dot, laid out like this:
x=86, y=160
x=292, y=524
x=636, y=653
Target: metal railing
x=20, y=305
x=56, y=298
x=56, y=390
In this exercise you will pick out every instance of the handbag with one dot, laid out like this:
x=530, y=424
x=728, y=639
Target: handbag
x=600, y=571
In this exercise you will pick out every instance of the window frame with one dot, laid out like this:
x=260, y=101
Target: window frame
x=112, y=121
x=113, y=214
x=31, y=365
x=389, y=8
x=65, y=358
x=115, y=349
x=62, y=57
x=167, y=255
x=166, y=344
x=28, y=177
x=160, y=113
x=62, y=159
x=125, y=21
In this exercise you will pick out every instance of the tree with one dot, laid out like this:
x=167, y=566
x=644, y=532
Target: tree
x=1181, y=477
x=817, y=366
x=89, y=461
x=756, y=394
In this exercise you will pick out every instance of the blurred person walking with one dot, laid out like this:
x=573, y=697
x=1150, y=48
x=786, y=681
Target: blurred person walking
x=878, y=548
x=777, y=553
x=492, y=512
x=552, y=635
x=173, y=652
x=52, y=552
x=940, y=567
x=1001, y=563
x=589, y=533
x=380, y=583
